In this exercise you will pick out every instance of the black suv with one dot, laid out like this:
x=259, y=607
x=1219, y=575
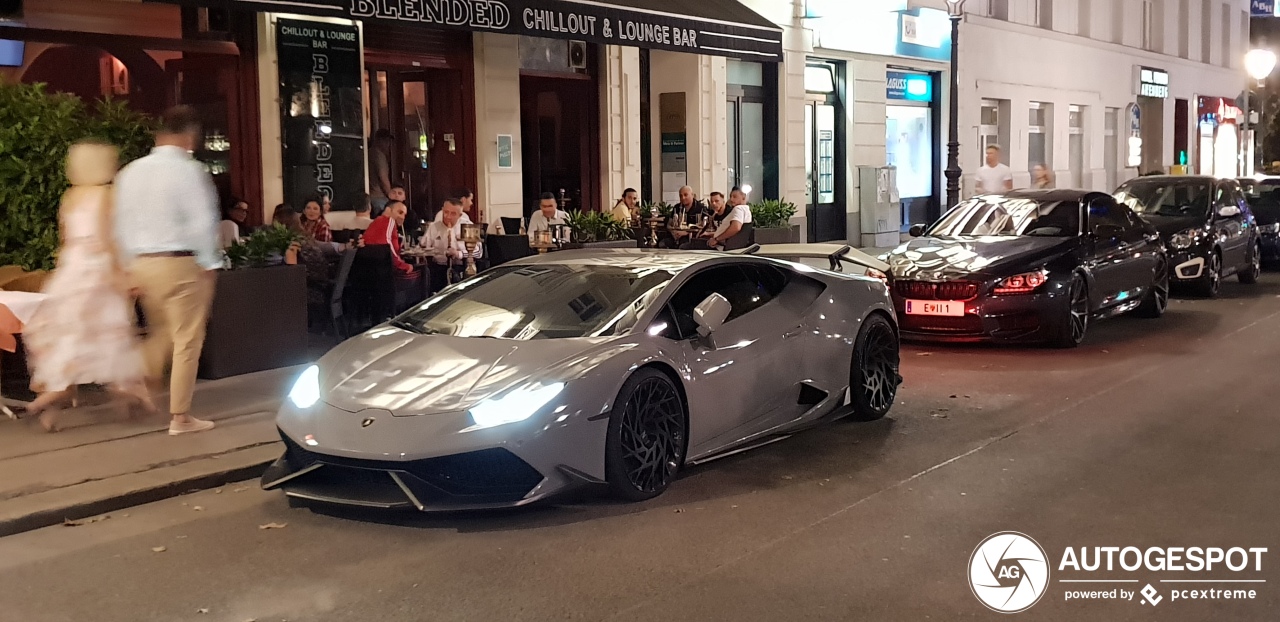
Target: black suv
x=1206, y=225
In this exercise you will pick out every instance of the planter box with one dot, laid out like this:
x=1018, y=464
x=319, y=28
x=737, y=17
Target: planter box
x=258, y=321
x=779, y=235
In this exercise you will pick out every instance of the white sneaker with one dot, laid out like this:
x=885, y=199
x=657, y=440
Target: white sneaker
x=191, y=426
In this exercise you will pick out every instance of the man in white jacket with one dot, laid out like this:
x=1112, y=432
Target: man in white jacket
x=443, y=241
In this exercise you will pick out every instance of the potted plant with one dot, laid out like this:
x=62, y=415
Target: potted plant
x=771, y=220
x=599, y=230
x=259, y=316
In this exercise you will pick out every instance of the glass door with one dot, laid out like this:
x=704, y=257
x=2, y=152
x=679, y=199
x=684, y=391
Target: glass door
x=825, y=209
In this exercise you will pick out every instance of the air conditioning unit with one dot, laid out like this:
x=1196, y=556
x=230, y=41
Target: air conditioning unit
x=578, y=54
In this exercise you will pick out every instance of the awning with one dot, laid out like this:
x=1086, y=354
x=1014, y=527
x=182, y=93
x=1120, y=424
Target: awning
x=717, y=27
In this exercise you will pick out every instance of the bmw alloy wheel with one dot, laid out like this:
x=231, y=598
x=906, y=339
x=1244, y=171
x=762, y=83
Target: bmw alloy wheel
x=1073, y=326
x=1250, y=275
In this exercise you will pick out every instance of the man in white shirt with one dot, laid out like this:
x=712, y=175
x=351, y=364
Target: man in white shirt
x=443, y=241
x=731, y=219
x=547, y=216
x=994, y=177
x=166, y=229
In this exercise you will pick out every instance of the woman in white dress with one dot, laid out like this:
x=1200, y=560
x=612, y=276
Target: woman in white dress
x=84, y=331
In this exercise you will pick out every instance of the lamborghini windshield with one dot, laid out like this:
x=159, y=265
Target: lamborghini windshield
x=1003, y=216
x=540, y=302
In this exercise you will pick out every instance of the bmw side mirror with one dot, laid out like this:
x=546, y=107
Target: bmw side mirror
x=711, y=314
x=916, y=230
x=1228, y=211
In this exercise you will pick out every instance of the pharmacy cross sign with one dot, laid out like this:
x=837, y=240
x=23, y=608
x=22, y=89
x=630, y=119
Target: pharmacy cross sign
x=737, y=31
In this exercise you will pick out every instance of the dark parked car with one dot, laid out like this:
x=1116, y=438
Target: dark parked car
x=1034, y=265
x=1263, y=196
x=1206, y=224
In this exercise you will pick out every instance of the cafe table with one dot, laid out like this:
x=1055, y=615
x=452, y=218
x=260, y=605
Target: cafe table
x=16, y=310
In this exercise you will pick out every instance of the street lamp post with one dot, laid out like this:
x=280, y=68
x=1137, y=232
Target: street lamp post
x=955, y=9
x=1259, y=63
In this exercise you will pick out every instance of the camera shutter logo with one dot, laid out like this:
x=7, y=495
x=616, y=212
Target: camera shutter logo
x=1009, y=572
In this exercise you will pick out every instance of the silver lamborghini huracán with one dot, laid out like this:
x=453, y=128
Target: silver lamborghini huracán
x=607, y=368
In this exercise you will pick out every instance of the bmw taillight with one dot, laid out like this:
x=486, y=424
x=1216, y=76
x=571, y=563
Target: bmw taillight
x=1025, y=283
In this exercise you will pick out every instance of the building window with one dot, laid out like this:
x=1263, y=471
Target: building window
x=1039, y=135
x=999, y=9
x=745, y=131
x=1044, y=14
x=1075, y=144
x=1111, y=147
x=1227, y=56
x=1184, y=28
x=1206, y=23
x=1117, y=22
x=994, y=129
x=1149, y=25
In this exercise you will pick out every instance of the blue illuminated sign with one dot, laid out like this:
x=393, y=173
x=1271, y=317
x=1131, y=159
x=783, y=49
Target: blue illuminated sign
x=1263, y=7
x=914, y=87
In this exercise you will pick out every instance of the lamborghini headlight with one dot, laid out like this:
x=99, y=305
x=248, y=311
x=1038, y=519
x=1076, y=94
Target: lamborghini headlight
x=514, y=406
x=306, y=389
x=1184, y=240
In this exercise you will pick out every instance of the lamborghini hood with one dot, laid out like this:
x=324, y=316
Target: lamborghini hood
x=410, y=374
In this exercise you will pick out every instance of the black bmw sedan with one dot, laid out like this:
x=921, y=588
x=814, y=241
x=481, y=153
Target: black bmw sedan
x=1263, y=196
x=1033, y=265
x=1205, y=222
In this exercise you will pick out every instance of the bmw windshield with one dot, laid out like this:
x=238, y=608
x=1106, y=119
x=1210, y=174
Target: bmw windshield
x=1004, y=216
x=1177, y=198
x=541, y=302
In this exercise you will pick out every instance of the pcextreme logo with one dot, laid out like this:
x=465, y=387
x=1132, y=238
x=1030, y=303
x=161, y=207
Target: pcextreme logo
x=1009, y=573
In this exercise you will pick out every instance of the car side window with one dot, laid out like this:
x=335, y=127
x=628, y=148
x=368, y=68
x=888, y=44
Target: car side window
x=1104, y=211
x=745, y=287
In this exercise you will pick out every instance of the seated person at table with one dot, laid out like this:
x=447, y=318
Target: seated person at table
x=385, y=229
x=353, y=214
x=443, y=242
x=313, y=222
x=715, y=210
x=233, y=225
x=315, y=256
x=277, y=216
x=467, y=198
x=730, y=220
x=688, y=212
x=627, y=206
x=547, y=216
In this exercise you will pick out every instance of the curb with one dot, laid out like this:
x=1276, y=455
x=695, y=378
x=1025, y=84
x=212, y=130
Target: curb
x=76, y=511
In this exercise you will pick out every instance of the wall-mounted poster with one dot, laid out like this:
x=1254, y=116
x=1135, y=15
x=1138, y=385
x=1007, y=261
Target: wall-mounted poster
x=504, y=151
x=321, y=110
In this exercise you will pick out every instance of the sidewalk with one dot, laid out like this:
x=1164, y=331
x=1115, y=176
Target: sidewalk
x=99, y=463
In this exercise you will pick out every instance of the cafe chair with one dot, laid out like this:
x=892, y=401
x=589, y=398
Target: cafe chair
x=511, y=226
x=370, y=290
x=337, y=299
x=744, y=238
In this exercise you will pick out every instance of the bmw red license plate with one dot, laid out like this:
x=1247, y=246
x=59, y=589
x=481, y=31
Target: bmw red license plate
x=947, y=308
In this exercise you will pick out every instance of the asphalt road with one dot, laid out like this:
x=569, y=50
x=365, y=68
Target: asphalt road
x=1153, y=434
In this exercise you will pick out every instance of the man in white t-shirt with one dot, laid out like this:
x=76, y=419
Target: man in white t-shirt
x=994, y=177
x=731, y=218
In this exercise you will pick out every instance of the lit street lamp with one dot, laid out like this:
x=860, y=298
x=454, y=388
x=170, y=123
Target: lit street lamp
x=1259, y=63
x=955, y=9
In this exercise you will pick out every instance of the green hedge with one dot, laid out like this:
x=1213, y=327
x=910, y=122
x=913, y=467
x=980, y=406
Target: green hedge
x=36, y=129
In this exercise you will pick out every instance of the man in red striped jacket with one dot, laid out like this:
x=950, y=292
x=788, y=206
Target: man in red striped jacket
x=385, y=229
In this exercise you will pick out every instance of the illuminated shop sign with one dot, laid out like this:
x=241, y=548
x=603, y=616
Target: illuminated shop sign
x=884, y=27
x=915, y=87
x=1153, y=83
x=608, y=22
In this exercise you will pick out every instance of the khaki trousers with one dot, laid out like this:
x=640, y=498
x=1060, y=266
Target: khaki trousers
x=176, y=296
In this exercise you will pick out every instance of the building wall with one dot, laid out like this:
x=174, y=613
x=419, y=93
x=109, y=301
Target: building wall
x=497, y=63
x=620, y=129
x=1021, y=62
x=703, y=81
